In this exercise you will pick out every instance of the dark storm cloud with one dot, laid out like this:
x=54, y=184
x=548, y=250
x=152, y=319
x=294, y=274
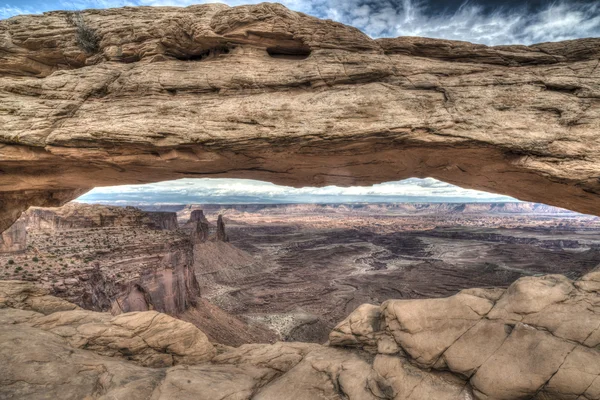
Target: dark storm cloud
x=480, y=22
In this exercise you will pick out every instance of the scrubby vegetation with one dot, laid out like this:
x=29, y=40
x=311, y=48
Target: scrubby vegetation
x=87, y=38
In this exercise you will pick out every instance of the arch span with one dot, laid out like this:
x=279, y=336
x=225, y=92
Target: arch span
x=141, y=106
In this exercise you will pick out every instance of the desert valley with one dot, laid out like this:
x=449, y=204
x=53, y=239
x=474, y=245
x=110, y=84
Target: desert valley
x=288, y=272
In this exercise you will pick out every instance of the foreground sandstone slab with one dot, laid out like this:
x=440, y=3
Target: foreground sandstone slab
x=536, y=339
x=266, y=93
x=464, y=347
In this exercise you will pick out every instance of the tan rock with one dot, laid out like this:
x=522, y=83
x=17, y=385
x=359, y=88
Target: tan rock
x=531, y=295
x=476, y=346
x=233, y=92
x=521, y=366
x=577, y=377
x=209, y=382
x=324, y=374
x=16, y=316
x=39, y=365
x=550, y=355
x=426, y=328
x=359, y=328
x=27, y=296
x=280, y=357
x=397, y=379
x=149, y=338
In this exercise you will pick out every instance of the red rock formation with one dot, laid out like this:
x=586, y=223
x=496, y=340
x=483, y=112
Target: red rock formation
x=198, y=226
x=163, y=220
x=221, y=235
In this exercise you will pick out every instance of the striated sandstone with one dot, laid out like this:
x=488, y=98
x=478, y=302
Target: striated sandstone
x=87, y=216
x=149, y=338
x=28, y=296
x=266, y=93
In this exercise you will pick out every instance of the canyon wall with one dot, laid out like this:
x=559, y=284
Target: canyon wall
x=266, y=93
x=171, y=288
x=112, y=258
x=125, y=260
x=14, y=239
x=87, y=216
x=163, y=220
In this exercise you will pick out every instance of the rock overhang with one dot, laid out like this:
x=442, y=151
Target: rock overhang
x=266, y=93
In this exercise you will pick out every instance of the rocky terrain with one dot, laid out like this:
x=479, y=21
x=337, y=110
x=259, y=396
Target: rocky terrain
x=538, y=339
x=266, y=93
x=145, y=94
x=301, y=268
x=120, y=260
x=290, y=272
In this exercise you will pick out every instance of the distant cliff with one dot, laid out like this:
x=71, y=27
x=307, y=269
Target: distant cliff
x=83, y=216
x=184, y=210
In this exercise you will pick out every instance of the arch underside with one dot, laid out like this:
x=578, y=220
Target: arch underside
x=198, y=93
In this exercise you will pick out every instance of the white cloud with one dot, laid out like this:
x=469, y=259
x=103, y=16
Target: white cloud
x=8, y=11
x=234, y=190
x=471, y=22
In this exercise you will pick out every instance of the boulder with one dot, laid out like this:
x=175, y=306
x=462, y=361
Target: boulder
x=149, y=338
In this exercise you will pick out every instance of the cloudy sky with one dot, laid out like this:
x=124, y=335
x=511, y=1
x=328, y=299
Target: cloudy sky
x=481, y=21
x=230, y=191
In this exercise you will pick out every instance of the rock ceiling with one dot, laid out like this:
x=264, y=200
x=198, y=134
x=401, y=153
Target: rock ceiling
x=262, y=92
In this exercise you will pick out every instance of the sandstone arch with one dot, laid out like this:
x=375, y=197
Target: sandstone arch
x=266, y=93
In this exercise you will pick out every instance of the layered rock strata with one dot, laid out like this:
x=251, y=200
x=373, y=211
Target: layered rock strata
x=88, y=216
x=125, y=260
x=263, y=92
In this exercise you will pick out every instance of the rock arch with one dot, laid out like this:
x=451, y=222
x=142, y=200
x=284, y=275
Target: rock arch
x=201, y=92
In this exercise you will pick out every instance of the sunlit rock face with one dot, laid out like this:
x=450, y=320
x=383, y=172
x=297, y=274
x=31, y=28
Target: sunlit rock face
x=266, y=93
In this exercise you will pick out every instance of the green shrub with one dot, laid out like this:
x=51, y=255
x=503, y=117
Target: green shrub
x=11, y=261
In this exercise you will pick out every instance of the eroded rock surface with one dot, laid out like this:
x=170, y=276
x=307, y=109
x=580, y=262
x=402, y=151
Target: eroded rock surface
x=266, y=93
x=537, y=339
x=482, y=344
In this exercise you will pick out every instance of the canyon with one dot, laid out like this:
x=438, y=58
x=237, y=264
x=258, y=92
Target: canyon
x=121, y=260
x=240, y=302
x=290, y=272
x=301, y=268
